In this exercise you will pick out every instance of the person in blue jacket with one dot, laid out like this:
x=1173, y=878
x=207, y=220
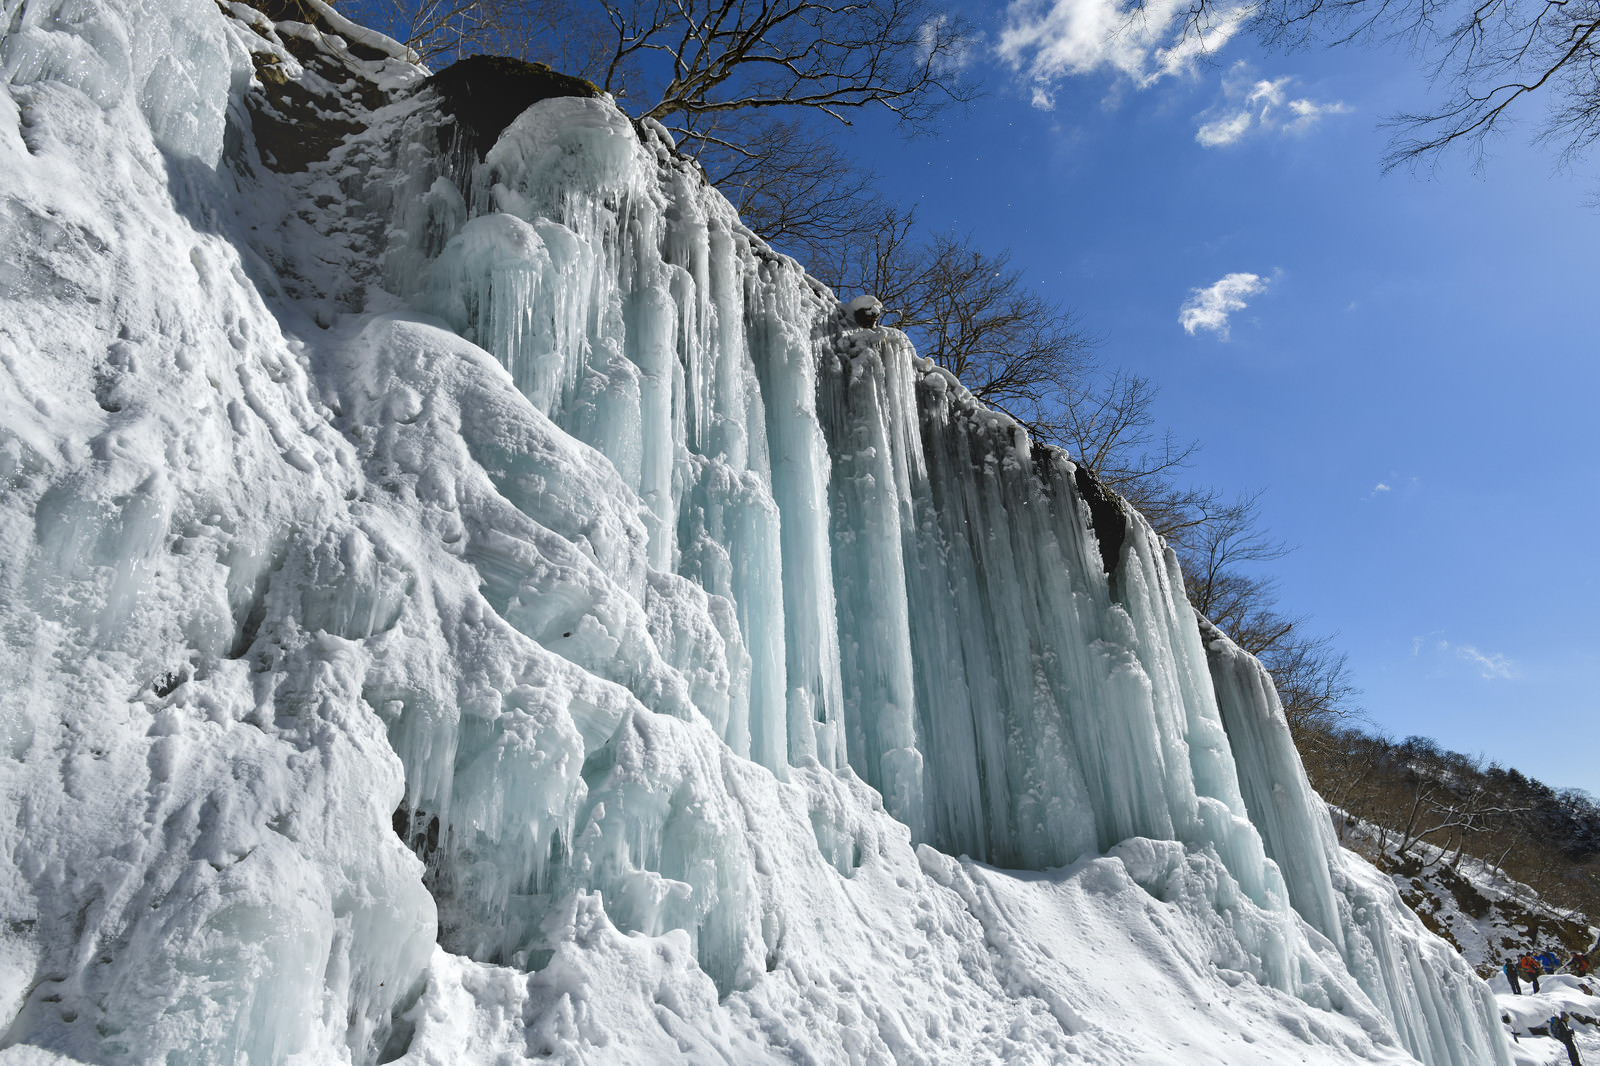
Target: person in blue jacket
x=1562, y=1031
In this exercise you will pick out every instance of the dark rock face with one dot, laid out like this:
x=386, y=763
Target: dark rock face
x=1106, y=515
x=484, y=93
x=286, y=10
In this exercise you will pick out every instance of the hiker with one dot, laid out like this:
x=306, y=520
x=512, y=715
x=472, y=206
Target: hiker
x=1510, y=971
x=1548, y=961
x=1578, y=965
x=1530, y=969
x=1563, y=1032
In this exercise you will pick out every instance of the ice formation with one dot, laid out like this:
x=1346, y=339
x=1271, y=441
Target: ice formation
x=463, y=597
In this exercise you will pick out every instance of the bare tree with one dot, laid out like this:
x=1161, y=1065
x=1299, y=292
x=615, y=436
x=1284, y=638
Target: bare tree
x=443, y=30
x=1218, y=541
x=1214, y=547
x=974, y=314
x=749, y=88
x=1313, y=683
x=687, y=63
x=793, y=184
x=1108, y=423
x=1493, y=58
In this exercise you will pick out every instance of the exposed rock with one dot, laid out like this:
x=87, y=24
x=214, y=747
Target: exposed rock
x=484, y=93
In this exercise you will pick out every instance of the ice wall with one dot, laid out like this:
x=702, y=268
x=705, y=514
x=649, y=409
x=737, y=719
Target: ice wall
x=406, y=544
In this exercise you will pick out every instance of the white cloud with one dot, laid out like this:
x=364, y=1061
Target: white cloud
x=1382, y=486
x=1490, y=666
x=1210, y=307
x=1225, y=130
x=1258, y=103
x=1047, y=40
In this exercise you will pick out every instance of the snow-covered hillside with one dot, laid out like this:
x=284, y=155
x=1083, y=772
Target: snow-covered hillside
x=463, y=598
x=1484, y=914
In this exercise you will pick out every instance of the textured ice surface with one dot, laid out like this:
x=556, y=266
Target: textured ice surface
x=455, y=610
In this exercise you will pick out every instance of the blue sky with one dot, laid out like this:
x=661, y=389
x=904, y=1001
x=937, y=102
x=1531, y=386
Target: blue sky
x=1412, y=375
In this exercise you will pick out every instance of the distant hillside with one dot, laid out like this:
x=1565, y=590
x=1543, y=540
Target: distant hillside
x=1488, y=916
x=1490, y=859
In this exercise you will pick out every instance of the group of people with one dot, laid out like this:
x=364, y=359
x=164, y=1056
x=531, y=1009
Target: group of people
x=1530, y=967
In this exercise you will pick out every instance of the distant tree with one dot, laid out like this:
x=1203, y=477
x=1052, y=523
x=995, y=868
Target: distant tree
x=1344, y=764
x=1428, y=805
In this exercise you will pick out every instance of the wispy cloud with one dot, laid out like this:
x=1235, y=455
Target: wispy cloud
x=1490, y=665
x=1047, y=40
x=1209, y=308
x=1252, y=103
x=1396, y=485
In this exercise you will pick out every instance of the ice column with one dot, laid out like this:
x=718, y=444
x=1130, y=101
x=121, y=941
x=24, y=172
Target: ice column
x=786, y=354
x=1443, y=1014
x=869, y=494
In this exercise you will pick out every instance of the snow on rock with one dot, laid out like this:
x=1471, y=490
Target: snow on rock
x=457, y=608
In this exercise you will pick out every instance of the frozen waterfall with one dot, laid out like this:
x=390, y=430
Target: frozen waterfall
x=466, y=596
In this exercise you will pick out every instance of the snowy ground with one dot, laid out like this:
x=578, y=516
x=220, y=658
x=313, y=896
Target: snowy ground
x=1558, y=993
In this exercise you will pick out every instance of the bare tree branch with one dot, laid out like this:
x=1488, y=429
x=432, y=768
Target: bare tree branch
x=1492, y=58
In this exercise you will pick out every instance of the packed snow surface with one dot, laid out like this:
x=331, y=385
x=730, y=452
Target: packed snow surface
x=464, y=603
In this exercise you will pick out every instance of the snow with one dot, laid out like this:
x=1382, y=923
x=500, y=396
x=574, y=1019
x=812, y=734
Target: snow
x=1528, y=1017
x=461, y=610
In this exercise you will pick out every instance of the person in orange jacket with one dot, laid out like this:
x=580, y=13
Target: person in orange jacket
x=1530, y=968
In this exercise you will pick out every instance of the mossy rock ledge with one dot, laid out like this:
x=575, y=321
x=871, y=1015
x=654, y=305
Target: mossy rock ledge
x=484, y=93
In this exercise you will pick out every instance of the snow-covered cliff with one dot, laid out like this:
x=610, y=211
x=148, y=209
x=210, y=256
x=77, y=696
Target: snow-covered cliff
x=464, y=598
